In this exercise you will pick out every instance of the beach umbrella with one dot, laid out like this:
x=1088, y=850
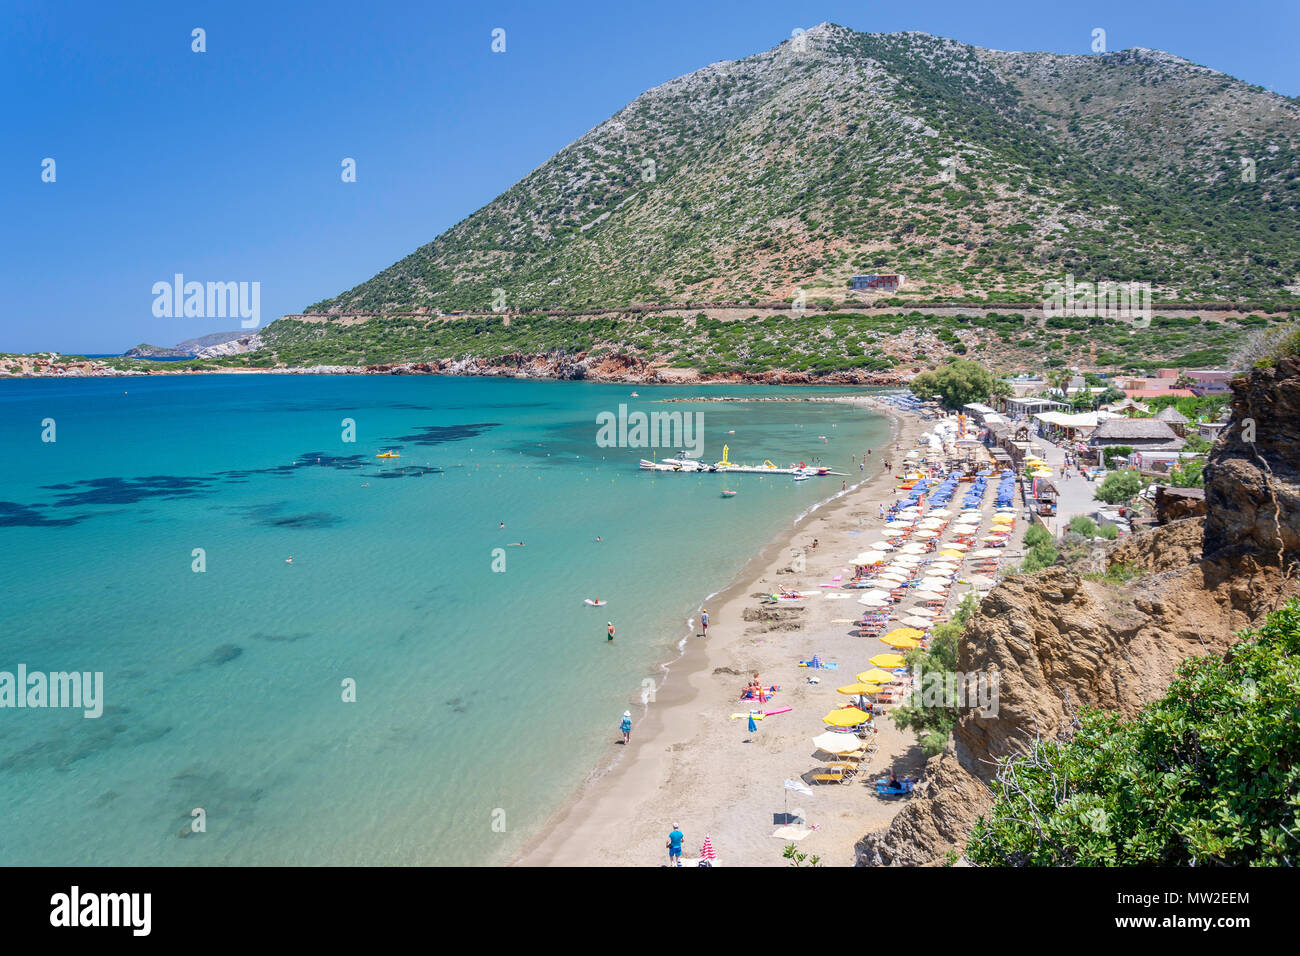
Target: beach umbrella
x=900, y=643
x=906, y=633
x=870, y=557
x=875, y=599
x=927, y=534
x=887, y=661
x=753, y=727
x=951, y=552
x=918, y=622
x=860, y=688
x=845, y=717
x=1041, y=473
x=913, y=549
x=994, y=537
x=876, y=676
x=953, y=546
x=931, y=589
x=707, y=852
x=907, y=560
x=940, y=512
x=898, y=577
x=1003, y=519
x=989, y=553
x=880, y=546
x=837, y=743
x=924, y=612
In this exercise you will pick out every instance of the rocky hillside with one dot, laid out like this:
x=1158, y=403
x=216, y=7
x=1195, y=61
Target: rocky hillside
x=970, y=171
x=1060, y=642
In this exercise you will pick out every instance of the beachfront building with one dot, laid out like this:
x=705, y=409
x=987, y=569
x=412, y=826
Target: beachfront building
x=1058, y=426
x=1140, y=434
x=1211, y=381
x=980, y=413
x=1174, y=419
x=1127, y=407
x=1023, y=385
x=877, y=282
x=1211, y=431
x=1029, y=406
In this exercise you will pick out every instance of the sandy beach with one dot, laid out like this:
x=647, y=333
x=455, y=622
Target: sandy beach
x=689, y=764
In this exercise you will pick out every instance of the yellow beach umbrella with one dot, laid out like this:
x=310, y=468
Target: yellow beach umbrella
x=905, y=633
x=876, y=676
x=1041, y=473
x=888, y=661
x=950, y=553
x=845, y=717
x=862, y=687
x=1003, y=519
x=900, y=643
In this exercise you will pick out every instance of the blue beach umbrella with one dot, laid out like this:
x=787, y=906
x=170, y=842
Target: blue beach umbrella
x=752, y=726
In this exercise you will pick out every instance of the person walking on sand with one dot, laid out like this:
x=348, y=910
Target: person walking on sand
x=674, y=845
x=626, y=726
x=609, y=629
x=704, y=621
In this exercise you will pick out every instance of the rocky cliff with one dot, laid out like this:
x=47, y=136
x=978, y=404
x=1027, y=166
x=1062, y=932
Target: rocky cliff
x=1058, y=642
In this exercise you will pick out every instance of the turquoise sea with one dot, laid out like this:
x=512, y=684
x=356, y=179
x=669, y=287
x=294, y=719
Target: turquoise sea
x=483, y=697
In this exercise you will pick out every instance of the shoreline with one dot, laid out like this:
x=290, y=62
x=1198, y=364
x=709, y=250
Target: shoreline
x=689, y=763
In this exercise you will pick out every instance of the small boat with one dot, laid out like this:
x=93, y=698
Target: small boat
x=388, y=454
x=635, y=395
x=728, y=494
x=590, y=603
x=801, y=477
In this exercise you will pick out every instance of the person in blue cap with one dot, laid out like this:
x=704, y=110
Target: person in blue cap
x=675, y=839
x=626, y=726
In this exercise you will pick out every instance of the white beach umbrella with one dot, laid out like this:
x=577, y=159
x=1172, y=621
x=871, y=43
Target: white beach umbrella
x=954, y=545
x=874, y=600
x=837, y=743
x=893, y=575
x=870, y=557
x=932, y=589
x=931, y=523
x=907, y=560
x=923, y=612
x=913, y=548
x=989, y=553
x=921, y=623
x=926, y=533
x=880, y=546
x=939, y=512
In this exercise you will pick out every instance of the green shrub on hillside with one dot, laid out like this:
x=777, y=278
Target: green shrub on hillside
x=1209, y=775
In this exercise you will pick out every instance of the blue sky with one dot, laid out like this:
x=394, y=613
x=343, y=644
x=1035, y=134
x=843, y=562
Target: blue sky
x=225, y=165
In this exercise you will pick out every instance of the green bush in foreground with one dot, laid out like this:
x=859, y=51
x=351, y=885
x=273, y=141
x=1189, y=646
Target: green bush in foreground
x=1207, y=775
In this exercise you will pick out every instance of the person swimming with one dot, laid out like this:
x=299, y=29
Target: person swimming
x=289, y=559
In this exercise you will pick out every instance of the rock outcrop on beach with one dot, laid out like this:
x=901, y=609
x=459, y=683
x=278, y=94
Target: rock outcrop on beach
x=1059, y=642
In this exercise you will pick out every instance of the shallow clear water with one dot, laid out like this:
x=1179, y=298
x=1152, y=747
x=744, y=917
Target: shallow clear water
x=483, y=697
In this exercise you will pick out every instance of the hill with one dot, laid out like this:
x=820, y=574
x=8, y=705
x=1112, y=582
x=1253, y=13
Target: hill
x=972, y=172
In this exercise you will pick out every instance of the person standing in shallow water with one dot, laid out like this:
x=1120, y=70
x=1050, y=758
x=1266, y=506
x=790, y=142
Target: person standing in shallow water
x=609, y=629
x=704, y=621
x=626, y=726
